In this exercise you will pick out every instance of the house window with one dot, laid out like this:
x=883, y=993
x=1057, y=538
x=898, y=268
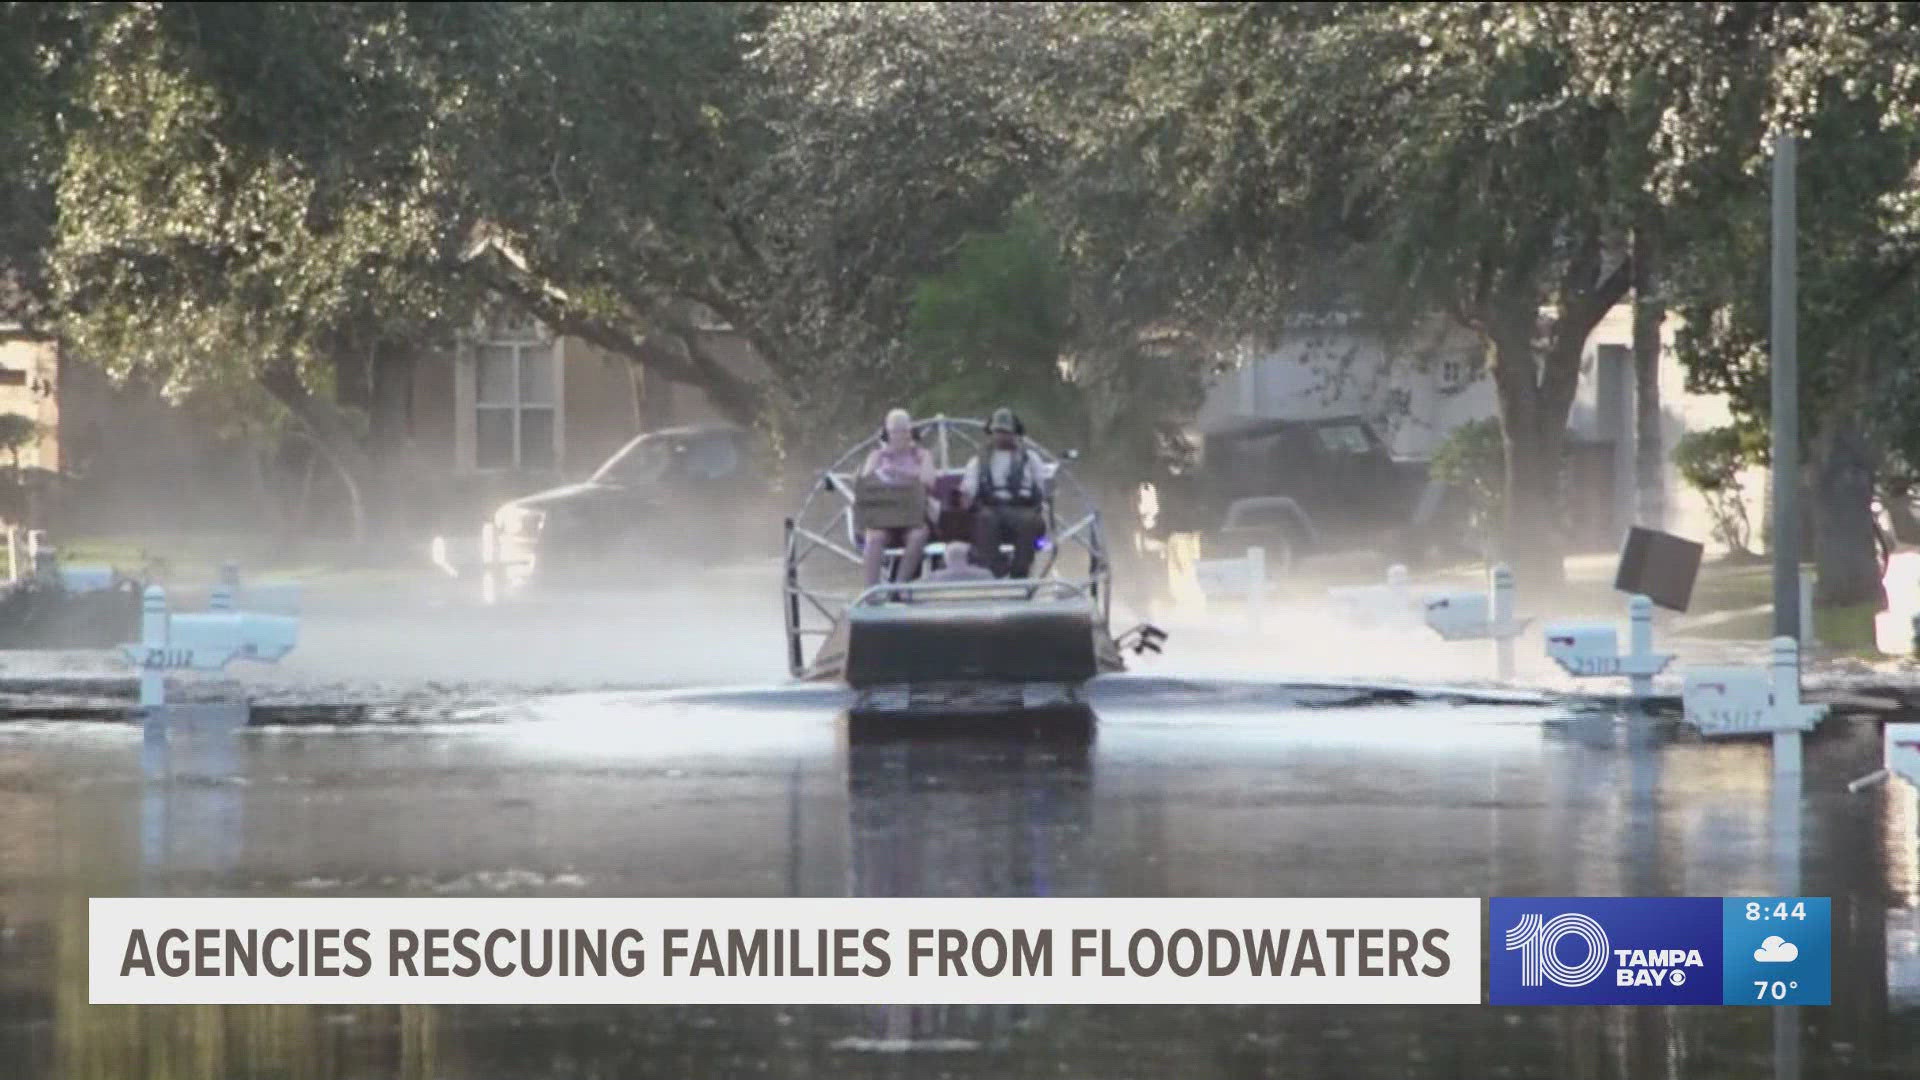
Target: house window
x=515, y=417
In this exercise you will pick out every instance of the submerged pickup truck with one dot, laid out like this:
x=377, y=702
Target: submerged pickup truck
x=1302, y=487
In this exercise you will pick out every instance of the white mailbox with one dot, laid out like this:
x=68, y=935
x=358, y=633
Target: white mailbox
x=210, y=640
x=1459, y=616
x=1221, y=579
x=1584, y=648
x=1903, y=751
x=1728, y=700
x=201, y=641
x=83, y=579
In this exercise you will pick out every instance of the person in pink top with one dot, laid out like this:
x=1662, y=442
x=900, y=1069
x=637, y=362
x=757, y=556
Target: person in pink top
x=898, y=460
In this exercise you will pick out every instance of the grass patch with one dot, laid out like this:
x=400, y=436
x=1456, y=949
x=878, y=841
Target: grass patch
x=196, y=558
x=1730, y=586
x=1848, y=630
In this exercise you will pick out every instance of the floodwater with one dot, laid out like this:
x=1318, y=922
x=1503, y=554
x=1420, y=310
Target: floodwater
x=778, y=794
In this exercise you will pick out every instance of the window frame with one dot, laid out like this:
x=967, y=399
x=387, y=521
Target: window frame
x=521, y=343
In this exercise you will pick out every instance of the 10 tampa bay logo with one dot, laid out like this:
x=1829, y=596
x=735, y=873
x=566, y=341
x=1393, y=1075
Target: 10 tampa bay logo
x=1605, y=951
x=1538, y=939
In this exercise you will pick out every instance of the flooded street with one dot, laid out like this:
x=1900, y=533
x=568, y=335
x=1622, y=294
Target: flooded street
x=776, y=793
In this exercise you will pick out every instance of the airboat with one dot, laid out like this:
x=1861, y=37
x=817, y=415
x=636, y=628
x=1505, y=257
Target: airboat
x=933, y=647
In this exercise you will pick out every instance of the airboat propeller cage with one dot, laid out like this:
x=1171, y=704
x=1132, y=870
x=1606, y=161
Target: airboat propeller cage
x=1051, y=627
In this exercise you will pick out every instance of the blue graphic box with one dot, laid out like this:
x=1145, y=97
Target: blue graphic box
x=1605, y=951
x=1779, y=950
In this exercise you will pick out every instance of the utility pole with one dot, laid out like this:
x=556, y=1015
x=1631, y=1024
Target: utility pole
x=1785, y=378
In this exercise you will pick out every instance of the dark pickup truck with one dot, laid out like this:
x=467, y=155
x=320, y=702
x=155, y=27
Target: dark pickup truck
x=695, y=494
x=1302, y=487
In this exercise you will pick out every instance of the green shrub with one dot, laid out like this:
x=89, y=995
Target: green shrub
x=1710, y=462
x=1473, y=459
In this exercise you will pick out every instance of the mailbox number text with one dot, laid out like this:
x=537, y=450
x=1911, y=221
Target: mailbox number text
x=168, y=658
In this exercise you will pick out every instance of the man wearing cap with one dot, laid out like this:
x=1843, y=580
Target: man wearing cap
x=1007, y=490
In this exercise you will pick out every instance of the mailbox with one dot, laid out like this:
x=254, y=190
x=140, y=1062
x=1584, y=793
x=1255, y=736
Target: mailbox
x=1459, y=616
x=1728, y=700
x=1227, y=578
x=1903, y=751
x=215, y=637
x=1584, y=648
x=1374, y=604
x=83, y=579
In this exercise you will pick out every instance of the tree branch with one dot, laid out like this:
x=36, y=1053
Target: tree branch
x=734, y=396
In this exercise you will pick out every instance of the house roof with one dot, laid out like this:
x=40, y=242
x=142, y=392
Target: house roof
x=1243, y=426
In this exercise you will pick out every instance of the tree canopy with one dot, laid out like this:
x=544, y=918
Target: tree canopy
x=1084, y=207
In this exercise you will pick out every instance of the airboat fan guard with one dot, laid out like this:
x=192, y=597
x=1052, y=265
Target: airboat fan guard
x=1048, y=628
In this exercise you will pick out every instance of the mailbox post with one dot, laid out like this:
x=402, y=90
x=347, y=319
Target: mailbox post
x=1590, y=649
x=1392, y=603
x=153, y=635
x=1479, y=617
x=200, y=641
x=1722, y=701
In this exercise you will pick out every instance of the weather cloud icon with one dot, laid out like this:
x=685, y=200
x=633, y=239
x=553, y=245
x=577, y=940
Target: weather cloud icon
x=1777, y=950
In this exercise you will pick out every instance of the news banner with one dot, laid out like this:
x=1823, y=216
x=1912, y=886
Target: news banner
x=851, y=951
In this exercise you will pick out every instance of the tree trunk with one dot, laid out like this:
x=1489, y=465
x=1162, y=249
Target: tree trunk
x=1649, y=311
x=1533, y=427
x=397, y=498
x=1533, y=543
x=332, y=434
x=1846, y=556
x=1536, y=379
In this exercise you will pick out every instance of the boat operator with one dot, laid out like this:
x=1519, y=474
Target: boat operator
x=1007, y=490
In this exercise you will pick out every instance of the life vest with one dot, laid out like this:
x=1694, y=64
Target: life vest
x=1020, y=488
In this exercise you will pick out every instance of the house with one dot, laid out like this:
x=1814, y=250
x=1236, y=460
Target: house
x=506, y=409
x=29, y=385
x=1420, y=390
x=513, y=406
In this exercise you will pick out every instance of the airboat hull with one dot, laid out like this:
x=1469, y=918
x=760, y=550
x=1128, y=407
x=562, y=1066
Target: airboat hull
x=1011, y=641
x=1008, y=656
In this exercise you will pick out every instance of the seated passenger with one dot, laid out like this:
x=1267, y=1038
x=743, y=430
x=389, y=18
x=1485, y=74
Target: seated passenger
x=1007, y=490
x=898, y=461
x=960, y=566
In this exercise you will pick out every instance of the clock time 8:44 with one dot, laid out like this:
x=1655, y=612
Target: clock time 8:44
x=1757, y=911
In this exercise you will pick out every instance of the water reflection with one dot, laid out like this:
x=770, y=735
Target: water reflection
x=1003, y=817
x=1336, y=802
